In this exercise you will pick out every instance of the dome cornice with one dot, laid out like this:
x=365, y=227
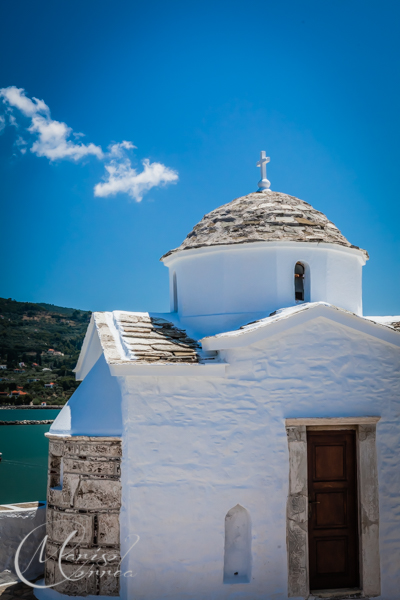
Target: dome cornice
x=170, y=258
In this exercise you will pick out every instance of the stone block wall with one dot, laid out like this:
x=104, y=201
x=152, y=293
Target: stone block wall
x=84, y=495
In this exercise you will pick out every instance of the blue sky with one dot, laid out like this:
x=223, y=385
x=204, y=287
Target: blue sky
x=201, y=88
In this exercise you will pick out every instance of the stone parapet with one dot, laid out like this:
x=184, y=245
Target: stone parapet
x=84, y=496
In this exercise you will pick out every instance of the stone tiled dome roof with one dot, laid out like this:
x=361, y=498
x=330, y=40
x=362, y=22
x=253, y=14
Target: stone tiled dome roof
x=263, y=217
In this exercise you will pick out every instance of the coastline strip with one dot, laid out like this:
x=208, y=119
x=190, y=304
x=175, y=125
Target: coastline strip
x=47, y=422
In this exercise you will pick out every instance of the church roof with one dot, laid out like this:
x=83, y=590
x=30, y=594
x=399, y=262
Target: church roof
x=138, y=339
x=263, y=217
x=385, y=328
x=393, y=322
x=145, y=344
x=151, y=339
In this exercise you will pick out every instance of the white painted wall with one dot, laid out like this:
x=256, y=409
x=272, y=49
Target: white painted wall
x=94, y=409
x=193, y=448
x=220, y=288
x=15, y=524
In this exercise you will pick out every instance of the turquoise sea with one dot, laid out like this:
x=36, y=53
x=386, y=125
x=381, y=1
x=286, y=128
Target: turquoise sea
x=23, y=469
x=27, y=414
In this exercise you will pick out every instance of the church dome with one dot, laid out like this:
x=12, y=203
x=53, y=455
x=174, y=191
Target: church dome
x=257, y=254
x=263, y=217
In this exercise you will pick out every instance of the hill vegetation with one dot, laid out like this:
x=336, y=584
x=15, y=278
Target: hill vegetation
x=39, y=342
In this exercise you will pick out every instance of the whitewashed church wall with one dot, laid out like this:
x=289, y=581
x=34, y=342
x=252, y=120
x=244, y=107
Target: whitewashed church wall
x=220, y=289
x=17, y=521
x=98, y=396
x=344, y=282
x=195, y=448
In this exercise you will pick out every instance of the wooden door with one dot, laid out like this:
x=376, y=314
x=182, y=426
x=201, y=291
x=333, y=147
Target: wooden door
x=333, y=512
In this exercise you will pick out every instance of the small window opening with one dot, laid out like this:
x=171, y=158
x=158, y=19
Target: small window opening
x=55, y=472
x=175, y=292
x=299, y=272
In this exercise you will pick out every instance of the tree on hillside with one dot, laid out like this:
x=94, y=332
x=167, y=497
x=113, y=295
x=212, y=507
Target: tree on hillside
x=12, y=357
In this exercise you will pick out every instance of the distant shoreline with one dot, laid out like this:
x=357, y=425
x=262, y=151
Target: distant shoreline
x=47, y=422
x=28, y=406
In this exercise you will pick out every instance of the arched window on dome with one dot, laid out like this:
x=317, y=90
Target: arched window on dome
x=174, y=293
x=300, y=282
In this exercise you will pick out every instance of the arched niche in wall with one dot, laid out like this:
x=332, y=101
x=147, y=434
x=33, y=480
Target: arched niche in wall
x=237, y=559
x=302, y=282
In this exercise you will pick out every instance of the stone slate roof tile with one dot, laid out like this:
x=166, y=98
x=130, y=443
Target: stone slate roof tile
x=156, y=340
x=263, y=217
x=141, y=338
x=389, y=321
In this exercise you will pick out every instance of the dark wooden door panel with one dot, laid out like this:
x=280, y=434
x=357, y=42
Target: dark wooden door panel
x=329, y=463
x=332, y=556
x=330, y=509
x=333, y=513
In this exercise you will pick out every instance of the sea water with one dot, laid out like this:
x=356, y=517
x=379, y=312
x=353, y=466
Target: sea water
x=23, y=469
x=28, y=414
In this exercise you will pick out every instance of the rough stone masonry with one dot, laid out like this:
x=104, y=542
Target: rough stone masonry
x=84, y=495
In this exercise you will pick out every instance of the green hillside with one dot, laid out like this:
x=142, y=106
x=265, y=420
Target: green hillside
x=42, y=336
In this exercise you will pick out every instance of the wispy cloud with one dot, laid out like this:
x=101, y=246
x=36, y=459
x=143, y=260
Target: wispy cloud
x=122, y=178
x=16, y=98
x=21, y=144
x=53, y=142
x=48, y=138
x=52, y=137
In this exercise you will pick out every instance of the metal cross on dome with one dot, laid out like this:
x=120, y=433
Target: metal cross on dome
x=263, y=184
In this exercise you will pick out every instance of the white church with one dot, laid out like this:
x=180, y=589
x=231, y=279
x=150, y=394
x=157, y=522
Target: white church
x=246, y=445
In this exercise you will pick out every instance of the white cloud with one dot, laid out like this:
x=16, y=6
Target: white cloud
x=117, y=150
x=122, y=178
x=51, y=136
x=15, y=97
x=52, y=139
x=21, y=144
